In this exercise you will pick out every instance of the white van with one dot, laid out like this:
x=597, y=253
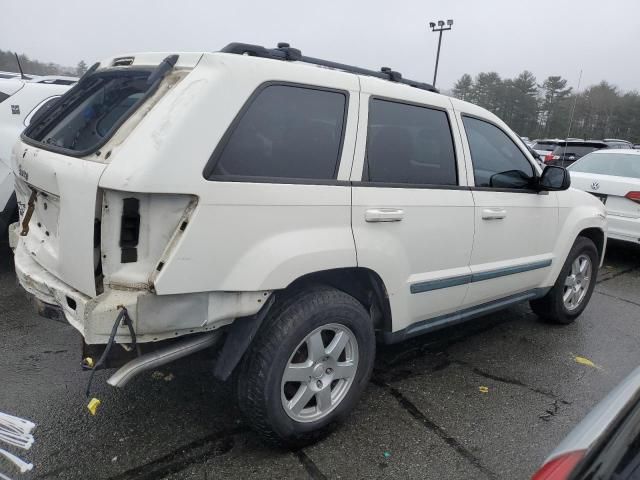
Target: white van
x=292, y=211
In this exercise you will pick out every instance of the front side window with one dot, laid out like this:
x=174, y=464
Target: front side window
x=497, y=161
x=409, y=144
x=286, y=132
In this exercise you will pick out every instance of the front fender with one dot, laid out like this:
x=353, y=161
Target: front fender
x=579, y=211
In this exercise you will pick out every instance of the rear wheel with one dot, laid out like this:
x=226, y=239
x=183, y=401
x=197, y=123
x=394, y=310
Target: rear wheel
x=570, y=295
x=307, y=367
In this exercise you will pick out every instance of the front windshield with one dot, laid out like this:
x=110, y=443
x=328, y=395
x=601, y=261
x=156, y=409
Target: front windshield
x=616, y=164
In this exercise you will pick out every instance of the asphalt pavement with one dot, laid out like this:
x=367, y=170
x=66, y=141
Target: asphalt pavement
x=489, y=399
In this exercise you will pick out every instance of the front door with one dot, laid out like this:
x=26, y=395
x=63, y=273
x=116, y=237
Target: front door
x=412, y=211
x=515, y=225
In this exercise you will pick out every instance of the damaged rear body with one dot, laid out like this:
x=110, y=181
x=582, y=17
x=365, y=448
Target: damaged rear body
x=103, y=212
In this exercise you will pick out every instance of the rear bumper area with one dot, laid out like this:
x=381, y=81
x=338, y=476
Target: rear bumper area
x=623, y=228
x=154, y=317
x=93, y=318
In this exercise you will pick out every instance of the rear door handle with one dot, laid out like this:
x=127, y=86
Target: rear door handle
x=494, y=213
x=383, y=215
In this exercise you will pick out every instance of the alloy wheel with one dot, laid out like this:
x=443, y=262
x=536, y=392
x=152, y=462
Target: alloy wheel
x=319, y=373
x=577, y=282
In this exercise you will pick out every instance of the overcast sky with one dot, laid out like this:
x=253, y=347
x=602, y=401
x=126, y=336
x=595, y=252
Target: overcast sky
x=548, y=37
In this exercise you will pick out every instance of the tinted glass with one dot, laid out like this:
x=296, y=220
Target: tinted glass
x=574, y=150
x=602, y=163
x=409, y=144
x=492, y=153
x=286, y=132
x=544, y=146
x=3, y=97
x=89, y=114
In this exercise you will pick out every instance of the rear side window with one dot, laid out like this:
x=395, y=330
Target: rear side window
x=575, y=150
x=285, y=132
x=409, y=144
x=88, y=114
x=497, y=161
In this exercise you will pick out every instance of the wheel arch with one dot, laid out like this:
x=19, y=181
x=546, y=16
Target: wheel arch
x=364, y=284
x=597, y=236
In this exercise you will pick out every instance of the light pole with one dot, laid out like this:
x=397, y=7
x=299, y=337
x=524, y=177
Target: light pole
x=440, y=28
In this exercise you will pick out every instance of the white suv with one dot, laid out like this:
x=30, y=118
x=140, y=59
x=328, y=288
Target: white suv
x=20, y=99
x=291, y=210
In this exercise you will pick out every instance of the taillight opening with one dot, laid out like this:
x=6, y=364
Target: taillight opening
x=129, y=230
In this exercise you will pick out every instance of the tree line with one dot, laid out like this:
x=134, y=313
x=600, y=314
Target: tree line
x=544, y=110
x=8, y=63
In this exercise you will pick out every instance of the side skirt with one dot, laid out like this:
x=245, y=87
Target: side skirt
x=442, y=321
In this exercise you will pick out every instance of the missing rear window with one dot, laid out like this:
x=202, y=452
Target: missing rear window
x=90, y=113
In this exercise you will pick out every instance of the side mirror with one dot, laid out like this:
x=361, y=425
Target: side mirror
x=554, y=178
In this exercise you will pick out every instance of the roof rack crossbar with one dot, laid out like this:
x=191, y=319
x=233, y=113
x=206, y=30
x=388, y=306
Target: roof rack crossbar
x=285, y=52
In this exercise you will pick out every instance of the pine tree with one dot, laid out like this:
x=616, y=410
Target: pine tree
x=463, y=88
x=81, y=68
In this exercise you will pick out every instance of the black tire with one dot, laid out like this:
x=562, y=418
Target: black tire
x=286, y=326
x=551, y=307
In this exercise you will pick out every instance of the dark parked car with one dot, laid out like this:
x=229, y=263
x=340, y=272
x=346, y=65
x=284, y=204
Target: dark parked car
x=567, y=152
x=545, y=146
x=606, y=444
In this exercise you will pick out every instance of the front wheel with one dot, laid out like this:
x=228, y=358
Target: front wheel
x=570, y=295
x=307, y=367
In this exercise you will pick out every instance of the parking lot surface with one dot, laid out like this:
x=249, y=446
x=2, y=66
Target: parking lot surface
x=489, y=399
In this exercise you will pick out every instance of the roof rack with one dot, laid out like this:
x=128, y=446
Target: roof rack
x=287, y=53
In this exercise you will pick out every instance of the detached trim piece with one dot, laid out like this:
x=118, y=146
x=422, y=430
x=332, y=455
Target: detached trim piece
x=476, y=277
x=447, y=320
x=501, y=272
x=442, y=283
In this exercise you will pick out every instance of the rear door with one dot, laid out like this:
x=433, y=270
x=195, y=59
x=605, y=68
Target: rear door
x=515, y=226
x=412, y=211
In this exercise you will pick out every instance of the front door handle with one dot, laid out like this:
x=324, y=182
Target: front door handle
x=494, y=213
x=383, y=215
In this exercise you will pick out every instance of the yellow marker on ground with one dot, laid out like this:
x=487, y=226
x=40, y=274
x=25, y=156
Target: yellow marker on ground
x=93, y=405
x=585, y=361
x=483, y=389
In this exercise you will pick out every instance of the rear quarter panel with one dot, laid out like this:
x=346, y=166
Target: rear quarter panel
x=241, y=236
